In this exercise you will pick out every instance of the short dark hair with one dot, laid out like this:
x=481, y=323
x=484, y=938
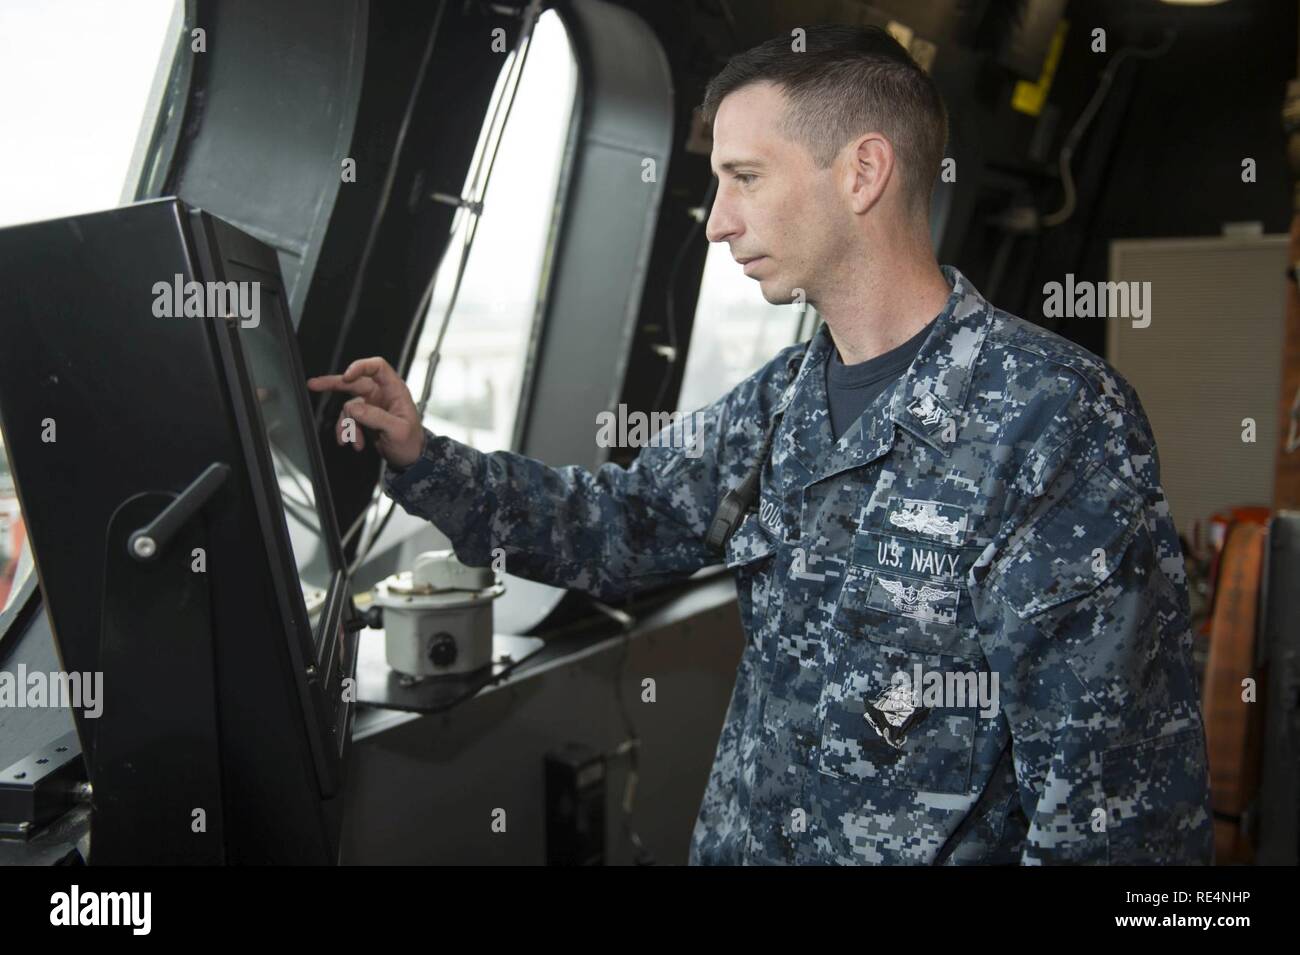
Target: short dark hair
x=848, y=80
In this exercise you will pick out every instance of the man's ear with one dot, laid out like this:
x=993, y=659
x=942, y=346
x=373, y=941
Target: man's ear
x=870, y=167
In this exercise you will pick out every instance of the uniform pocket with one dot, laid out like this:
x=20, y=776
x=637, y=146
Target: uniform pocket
x=1073, y=548
x=1085, y=575
x=1156, y=812
x=909, y=684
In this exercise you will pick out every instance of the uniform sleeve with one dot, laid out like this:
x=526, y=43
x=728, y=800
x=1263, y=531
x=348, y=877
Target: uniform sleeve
x=609, y=532
x=1083, y=619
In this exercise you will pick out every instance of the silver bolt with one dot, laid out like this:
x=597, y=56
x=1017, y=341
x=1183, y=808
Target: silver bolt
x=144, y=546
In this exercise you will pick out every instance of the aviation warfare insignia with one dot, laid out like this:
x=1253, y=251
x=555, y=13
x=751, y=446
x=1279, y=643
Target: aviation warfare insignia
x=917, y=602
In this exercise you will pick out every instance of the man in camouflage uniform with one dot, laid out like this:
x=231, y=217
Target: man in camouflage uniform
x=993, y=520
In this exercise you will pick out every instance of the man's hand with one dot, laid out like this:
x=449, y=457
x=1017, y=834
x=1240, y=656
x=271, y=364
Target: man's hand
x=383, y=403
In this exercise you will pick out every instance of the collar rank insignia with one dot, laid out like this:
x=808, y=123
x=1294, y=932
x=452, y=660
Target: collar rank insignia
x=927, y=409
x=893, y=715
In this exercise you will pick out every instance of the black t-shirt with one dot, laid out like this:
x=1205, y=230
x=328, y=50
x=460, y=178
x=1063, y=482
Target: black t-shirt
x=851, y=388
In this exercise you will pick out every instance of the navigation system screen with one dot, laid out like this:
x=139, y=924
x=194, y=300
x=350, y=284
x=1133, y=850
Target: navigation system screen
x=281, y=397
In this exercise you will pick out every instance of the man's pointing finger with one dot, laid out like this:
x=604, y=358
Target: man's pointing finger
x=362, y=386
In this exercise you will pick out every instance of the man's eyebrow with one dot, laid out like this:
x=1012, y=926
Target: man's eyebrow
x=731, y=165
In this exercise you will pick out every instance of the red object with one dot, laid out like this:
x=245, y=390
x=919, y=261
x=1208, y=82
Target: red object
x=7, y=572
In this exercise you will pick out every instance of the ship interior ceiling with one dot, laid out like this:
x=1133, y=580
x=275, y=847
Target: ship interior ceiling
x=347, y=155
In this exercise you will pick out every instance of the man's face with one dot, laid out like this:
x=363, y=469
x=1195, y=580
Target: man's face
x=781, y=215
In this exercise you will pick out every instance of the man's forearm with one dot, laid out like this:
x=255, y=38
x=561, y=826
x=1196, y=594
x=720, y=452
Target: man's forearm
x=600, y=532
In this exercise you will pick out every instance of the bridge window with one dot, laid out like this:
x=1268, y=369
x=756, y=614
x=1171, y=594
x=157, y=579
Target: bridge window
x=476, y=388
x=735, y=332
x=83, y=80
x=15, y=555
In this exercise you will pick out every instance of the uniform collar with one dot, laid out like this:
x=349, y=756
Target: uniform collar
x=928, y=401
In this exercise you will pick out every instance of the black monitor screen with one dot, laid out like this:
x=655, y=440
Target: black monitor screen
x=281, y=397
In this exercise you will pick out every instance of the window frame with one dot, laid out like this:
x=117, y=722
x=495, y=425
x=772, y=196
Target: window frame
x=624, y=105
x=159, y=136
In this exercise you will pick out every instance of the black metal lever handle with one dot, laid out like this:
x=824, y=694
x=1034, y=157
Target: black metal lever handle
x=145, y=543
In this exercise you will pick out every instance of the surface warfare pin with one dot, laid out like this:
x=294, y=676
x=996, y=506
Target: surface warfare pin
x=924, y=517
x=894, y=713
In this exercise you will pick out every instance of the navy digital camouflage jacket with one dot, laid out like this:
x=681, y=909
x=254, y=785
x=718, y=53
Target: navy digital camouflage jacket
x=966, y=621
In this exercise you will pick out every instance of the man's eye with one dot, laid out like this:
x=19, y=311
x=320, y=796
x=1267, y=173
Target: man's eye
x=745, y=178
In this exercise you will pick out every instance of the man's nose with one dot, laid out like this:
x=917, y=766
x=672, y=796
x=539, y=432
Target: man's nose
x=722, y=225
